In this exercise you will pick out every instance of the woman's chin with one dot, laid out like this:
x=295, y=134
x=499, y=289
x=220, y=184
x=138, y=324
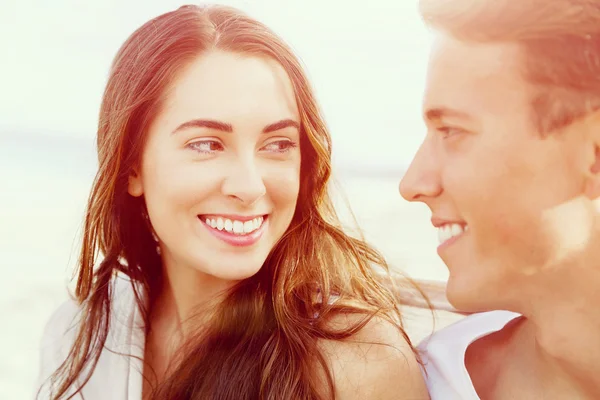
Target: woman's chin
x=232, y=271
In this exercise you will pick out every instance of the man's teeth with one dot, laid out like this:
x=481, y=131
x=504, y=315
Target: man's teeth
x=448, y=231
x=234, y=226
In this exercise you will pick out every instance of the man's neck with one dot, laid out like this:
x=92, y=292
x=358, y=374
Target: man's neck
x=560, y=338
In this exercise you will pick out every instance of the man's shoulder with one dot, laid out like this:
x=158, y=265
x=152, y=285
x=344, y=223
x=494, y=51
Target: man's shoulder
x=468, y=329
x=444, y=352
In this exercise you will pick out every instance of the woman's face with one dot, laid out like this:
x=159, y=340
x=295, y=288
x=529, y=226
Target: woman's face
x=220, y=172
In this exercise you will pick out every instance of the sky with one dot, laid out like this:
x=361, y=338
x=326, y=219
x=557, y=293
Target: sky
x=366, y=61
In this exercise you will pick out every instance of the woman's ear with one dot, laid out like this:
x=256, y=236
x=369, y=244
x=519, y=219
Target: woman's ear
x=135, y=186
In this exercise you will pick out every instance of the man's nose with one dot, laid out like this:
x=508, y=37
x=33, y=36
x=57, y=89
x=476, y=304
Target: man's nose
x=422, y=179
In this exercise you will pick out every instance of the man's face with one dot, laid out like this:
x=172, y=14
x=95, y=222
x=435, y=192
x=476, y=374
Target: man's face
x=490, y=179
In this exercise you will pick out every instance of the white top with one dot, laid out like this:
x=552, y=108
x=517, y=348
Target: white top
x=117, y=376
x=444, y=354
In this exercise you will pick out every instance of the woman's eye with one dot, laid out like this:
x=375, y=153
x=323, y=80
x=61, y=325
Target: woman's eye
x=281, y=146
x=206, y=146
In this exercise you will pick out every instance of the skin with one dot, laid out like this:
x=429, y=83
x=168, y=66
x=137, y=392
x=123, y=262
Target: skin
x=376, y=363
x=189, y=170
x=531, y=207
x=200, y=170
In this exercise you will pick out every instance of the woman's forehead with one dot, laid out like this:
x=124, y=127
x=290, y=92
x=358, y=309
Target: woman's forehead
x=225, y=84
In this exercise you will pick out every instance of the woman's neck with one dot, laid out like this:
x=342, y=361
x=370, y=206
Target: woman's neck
x=188, y=295
x=184, y=301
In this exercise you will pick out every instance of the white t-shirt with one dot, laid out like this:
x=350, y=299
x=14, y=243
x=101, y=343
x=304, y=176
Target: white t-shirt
x=444, y=354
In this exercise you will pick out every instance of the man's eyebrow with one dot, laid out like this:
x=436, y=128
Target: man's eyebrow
x=437, y=113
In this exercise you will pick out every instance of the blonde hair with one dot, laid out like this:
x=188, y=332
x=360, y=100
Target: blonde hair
x=560, y=43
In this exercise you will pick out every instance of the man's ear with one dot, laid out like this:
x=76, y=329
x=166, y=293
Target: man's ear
x=135, y=186
x=592, y=187
x=592, y=158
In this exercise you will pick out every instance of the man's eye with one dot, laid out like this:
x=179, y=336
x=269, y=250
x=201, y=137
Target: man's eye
x=449, y=131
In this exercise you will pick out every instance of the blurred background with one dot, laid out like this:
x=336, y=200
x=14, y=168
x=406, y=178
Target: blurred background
x=366, y=60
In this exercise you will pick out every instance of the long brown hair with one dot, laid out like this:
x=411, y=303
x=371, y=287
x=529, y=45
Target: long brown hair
x=262, y=340
x=559, y=42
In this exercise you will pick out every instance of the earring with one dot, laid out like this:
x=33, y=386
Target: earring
x=152, y=232
x=157, y=242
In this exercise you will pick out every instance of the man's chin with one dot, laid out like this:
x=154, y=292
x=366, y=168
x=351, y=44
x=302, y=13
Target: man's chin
x=465, y=296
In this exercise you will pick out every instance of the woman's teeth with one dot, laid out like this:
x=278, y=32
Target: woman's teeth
x=234, y=226
x=448, y=231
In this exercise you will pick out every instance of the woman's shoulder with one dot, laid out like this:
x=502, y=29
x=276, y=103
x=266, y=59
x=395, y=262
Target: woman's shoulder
x=62, y=327
x=57, y=339
x=64, y=321
x=376, y=362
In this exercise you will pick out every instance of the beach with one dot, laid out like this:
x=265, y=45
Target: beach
x=45, y=185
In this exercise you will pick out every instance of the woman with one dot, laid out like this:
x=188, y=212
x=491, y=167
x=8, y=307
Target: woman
x=224, y=273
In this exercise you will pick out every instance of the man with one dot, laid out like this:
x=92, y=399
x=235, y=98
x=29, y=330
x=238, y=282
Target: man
x=510, y=168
